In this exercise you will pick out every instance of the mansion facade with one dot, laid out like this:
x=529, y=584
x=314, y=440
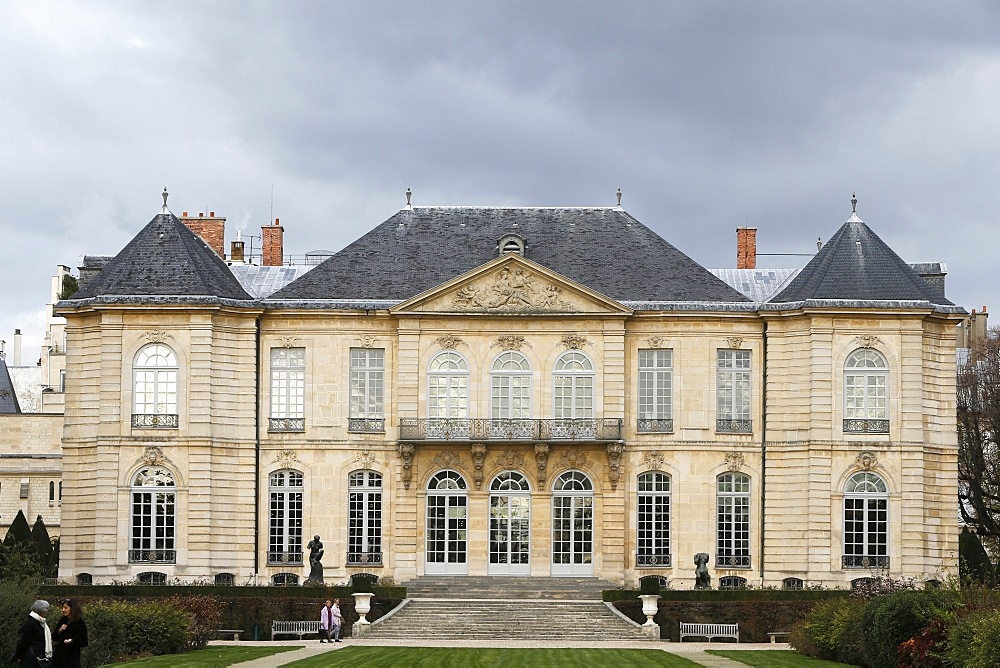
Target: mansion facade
x=508, y=391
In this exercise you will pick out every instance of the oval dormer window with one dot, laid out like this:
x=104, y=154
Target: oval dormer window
x=511, y=243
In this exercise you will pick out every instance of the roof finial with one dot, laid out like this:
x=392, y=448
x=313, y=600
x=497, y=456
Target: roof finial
x=619, y=195
x=408, y=195
x=165, y=196
x=854, y=203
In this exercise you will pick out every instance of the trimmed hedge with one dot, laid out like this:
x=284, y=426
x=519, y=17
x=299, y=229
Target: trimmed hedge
x=135, y=591
x=613, y=595
x=121, y=630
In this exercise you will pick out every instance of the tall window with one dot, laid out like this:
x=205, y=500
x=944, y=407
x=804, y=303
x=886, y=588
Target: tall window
x=367, y=377
x=153, y=517
x=732, y=382
x=655, y=391
x=653, y=531
x=573, y=392
x=866, y=521
x=288, y=387
x=866, y=379
x=285, y=529
x=510, y=396
x=364, y=536
x=732, y=521
x=448, y=396
x=154, y=375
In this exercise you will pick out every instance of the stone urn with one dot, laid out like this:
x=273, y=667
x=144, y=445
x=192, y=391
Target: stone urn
x=649, y=607
x=363, y=603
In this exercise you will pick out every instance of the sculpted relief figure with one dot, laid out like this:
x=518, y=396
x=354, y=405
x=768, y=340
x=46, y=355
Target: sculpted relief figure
x=512, y=290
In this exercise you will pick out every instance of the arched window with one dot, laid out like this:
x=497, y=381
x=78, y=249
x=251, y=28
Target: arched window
x=653, y=520
x=510, y=524
x=154, y=375
x=446, y=527
x=448, y=396
x=573, y=388
x=154, y=517
x=364, y=534
x=510, y=396
x=151, y=578
x=447, y=480
x=792, y=583
x=225, y=579
x=510, y=481
x=732, y=521
x=573, y=525
x=285, y=526
x=52, y=491
x=284, y=579
x=866, y=521
x=732, y=582
x=84, y=579
x=866, y=387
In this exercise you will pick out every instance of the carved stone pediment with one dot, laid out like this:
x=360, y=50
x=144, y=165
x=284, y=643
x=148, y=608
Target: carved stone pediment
x=867, y=341
x=734, y=461
x=155, y=336
x=512, y=288
x=286, y=459
x=365, y=460
x=653, y=460
x=866, y=460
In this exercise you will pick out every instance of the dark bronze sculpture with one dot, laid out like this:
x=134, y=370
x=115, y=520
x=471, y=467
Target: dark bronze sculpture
x=702, y=580
x=315, y=566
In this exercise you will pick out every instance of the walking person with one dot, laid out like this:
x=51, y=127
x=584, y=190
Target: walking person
x=34, y=643
x=338, y=619
x=326, y=621
x=70, y=636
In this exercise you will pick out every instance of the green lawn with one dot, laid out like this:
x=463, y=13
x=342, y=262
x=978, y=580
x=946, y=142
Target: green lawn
x=210, y=657
x=774, y=658
x=472, y=657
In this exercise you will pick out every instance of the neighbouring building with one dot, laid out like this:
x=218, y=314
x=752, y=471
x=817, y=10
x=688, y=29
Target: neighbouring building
x=509, y=391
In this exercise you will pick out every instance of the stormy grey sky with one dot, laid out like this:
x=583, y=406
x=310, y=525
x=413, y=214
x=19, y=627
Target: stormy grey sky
x=708, y=115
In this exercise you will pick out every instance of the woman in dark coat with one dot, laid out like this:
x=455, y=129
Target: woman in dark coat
x=34, y=645
x=70, y=636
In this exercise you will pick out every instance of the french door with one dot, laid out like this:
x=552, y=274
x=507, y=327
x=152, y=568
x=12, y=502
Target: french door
x=573, y=525
x=510, y=534
x=447, y=525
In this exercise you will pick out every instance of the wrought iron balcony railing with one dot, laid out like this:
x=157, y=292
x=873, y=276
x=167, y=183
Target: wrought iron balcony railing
x=154, y=421
x=366, y=425
x=734, y=426
x=286, y=424
x=152, y=556
x=864, y=561
x=652, y=560
x=284, y=557
x=732, y=561
x=865, y=426
x=364, y=558
x=654, y=425
x=456, y=429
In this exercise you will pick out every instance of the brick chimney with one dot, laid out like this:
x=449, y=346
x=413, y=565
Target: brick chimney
x=746, y=247
x=273, y=241
x=210, y=228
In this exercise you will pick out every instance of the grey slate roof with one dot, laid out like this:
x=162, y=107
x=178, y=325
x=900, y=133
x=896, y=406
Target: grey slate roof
x=165, y=260
x=8, y=397
x=857, y=266
x=605, y=249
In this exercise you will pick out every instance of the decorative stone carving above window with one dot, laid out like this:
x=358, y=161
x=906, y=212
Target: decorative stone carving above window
x=866, y=460
x=735, y=461
x=867, y=341
x=655, y=341
x=510, y=342
x=153, y=456
x=573, y=459
x=405, y=451
x=573, y=342
x=512, y=290
x=367, y=341
x=735, y=341
x=653, y=460
x=154, y=336
x=287, y=341
x=447, y=460
x=449, y=342
x=286, y=459
x=365, y=460
x=508, y=459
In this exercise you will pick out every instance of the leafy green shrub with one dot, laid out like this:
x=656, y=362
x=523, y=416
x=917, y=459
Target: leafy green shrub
x=972, y=641
x=973, y=563
x=831, y=631
x=16, y=598
x=205, y=613
x=891, y=620
x=120, y=631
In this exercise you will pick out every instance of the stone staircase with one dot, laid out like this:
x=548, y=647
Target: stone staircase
x=505, y=607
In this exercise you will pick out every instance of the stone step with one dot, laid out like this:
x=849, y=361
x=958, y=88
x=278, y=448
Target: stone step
x=491, y=587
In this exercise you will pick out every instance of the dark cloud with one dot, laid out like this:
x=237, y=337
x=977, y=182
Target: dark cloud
x=708, y=115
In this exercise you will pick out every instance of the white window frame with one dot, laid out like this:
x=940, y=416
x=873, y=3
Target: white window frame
x=656, y=374
x=285, y=511
x=733, y=390
x=448, y=386
x=288, y=389
x=153, y=516
x=573, y=386
x=653, y=520
x=154, y=385
x=732, y=520
x=364, y=532
x=866, y=522
x=510, y=383
x=866, y=392
x=367, y=389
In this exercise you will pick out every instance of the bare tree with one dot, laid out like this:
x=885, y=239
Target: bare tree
x=978, y=402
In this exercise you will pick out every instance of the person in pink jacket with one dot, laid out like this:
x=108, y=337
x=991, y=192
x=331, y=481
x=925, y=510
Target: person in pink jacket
x=326, y=622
